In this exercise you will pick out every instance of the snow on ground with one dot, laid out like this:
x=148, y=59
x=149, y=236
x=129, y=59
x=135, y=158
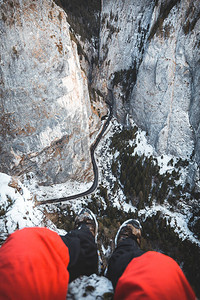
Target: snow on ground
x=17, y=202
x=90, y=288
x=179, y=221
x=55, y=190
x=17, y=208
x=142, y=146
x=176, y=220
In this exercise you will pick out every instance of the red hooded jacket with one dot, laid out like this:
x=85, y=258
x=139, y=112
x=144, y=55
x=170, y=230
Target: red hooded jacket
x=153, y=276
x=33, y=266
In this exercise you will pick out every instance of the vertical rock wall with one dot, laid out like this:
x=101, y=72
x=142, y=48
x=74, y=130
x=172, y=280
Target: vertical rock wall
x=161, y=99
x=45, y=111
x=150, y=53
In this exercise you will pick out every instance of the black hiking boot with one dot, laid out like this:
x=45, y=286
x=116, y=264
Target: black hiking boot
x=86, y=217
x=130, y=228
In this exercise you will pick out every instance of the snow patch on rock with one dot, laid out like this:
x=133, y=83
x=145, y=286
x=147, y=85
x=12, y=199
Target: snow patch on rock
x=90, y=288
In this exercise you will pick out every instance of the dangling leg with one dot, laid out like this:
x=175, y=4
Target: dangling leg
x=127, y=247
x=82, y=246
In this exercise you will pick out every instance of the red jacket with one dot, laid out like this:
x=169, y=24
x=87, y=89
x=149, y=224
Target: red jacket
x=33, y=266
x=153, y=276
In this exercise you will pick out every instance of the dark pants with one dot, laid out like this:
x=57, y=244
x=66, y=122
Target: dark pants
x=84, y=257
x=82, y=252
x=121, y=257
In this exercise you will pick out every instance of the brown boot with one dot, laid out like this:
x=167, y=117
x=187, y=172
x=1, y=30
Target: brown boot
x=130, y=228
x=86, y=217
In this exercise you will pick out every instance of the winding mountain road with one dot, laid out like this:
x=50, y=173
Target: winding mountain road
x=93, y=147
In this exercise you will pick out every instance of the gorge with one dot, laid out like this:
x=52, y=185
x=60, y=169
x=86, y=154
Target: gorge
x=58, y=61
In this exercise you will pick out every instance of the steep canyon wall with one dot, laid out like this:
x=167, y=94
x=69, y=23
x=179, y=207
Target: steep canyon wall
x=146, y=51
x=149, y=53
x=46, y=119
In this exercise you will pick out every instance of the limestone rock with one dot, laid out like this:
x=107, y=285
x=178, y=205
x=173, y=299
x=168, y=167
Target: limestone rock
x=45, y=111
x=150, y=53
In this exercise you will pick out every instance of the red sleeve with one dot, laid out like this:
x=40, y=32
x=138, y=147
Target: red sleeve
x=153, y=276
x=33, y=265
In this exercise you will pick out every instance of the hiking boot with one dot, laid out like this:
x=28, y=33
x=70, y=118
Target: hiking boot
x=86, y=217
x=130, y=228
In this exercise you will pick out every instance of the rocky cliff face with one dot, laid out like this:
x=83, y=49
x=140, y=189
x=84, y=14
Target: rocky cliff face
x=46, y=119
x=149, y=51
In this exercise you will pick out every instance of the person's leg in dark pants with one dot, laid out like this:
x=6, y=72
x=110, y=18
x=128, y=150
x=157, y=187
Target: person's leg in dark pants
x=127, y=247
x=82, y=252
x=121, y=257
x=82, y=245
